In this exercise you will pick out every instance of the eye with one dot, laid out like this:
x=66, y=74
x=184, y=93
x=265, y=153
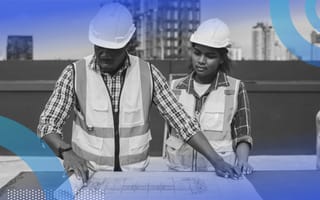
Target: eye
x=196, y=52
x=212, y=55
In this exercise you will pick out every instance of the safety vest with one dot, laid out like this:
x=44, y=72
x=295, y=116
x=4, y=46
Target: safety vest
x=215, y=120
x=93, y=126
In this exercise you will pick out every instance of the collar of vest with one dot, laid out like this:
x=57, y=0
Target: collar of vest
x=186, y=83
x=95, y=101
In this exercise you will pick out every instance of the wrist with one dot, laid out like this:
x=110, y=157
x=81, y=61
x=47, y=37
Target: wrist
x=217, y=160
x=61, y=150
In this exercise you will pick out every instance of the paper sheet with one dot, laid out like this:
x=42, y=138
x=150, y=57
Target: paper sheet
x=161, y=185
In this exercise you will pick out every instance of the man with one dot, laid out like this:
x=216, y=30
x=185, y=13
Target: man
x=111, y=93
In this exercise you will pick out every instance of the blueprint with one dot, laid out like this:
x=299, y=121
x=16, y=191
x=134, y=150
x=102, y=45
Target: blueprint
x=162, y=185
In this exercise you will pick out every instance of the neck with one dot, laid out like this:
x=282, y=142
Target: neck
x=204, y=79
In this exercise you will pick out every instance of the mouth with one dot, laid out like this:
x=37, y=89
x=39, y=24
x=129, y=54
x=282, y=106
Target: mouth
x=200, y=68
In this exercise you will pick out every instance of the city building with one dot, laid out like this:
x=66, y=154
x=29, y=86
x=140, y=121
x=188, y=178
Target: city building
x=262, y=41
x=267, y=46
x=235, y=53
x=19, y=47
x=164, y=27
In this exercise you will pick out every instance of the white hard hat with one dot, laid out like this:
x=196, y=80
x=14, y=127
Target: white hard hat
x=213, y=33
x=112, y=27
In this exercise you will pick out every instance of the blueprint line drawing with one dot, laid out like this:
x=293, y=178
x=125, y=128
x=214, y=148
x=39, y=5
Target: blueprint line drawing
x=163, y=185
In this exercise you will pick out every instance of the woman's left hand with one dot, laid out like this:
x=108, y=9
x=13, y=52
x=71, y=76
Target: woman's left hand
x=245, y=167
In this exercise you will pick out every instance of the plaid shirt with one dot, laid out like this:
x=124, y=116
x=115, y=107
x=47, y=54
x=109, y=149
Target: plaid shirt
x=62, y=100
x=240, y=126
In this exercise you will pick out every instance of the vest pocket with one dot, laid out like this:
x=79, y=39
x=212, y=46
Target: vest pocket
x=212, y=121
x=139, y=144
x=132, y=117
x=85, y=141
x=99, y=115
x=174, y=143
x=178, y=154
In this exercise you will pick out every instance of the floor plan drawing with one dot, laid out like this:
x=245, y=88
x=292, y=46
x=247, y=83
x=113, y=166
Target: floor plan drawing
x=164, y=185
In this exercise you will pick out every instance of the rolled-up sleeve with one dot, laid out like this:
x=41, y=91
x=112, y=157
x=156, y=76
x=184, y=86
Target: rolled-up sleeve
x=59, y=105
x=241, y=124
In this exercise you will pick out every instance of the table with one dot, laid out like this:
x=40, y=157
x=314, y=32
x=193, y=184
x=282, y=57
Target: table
x=276, y=177
x=270, y=185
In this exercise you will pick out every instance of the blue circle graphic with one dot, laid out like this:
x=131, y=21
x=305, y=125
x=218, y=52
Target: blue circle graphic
x=310, y=9
x=290, y=37
x=25, y=144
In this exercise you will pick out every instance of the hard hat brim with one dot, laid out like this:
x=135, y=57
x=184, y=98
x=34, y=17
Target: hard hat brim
x=111, y=45
x=213, y=44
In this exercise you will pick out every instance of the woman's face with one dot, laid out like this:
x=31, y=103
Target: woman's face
x=205, y=62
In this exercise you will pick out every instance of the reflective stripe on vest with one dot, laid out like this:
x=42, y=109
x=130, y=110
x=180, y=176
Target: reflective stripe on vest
x=93, y=131
x=215, y=120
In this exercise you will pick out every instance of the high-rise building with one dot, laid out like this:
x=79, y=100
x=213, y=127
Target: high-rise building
x=262, y=42
x=19, y=47
x=164, y=27
x=235, y=53
x=267, y=46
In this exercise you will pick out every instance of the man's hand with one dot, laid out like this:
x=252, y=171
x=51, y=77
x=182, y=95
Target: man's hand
x=244, y=166
x=72, y=162
x=225, y=170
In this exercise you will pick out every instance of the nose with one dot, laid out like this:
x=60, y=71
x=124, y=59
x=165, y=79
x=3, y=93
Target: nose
x=105, y=55
x=202, y=59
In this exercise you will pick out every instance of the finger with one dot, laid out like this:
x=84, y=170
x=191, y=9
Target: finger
x=83, y=173
x=237, y=170
x=77, y=173
x=229, y=173
x=65, y=166
x=245, y=169
x=220, y=173
x=249, y=170
x=235, y=173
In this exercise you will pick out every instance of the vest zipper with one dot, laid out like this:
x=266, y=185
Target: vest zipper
x=117, y=166
x=115, y=116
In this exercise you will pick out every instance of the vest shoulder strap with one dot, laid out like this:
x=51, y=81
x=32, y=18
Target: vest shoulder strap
x=176, y=82
x=233, y=87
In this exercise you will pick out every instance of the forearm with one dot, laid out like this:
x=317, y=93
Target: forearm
x=55, y=141
x=200, y=143
x=170, y=109
x=242, y=151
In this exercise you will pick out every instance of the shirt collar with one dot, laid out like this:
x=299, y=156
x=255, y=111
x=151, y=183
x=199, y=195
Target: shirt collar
x=220, y=81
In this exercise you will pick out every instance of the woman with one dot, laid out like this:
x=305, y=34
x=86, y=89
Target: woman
x=218, y=101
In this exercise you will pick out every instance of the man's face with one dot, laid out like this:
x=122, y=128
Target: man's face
x=109, y=60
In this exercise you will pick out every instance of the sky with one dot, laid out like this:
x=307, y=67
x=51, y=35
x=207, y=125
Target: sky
x=60, y=27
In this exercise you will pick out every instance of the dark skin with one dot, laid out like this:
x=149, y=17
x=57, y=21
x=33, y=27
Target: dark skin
x=110, y=61
x=206, y=62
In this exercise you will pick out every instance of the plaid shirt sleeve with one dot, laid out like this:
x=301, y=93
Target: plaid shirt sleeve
x=241, y=124
x=59, y=105
x=170, y=109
